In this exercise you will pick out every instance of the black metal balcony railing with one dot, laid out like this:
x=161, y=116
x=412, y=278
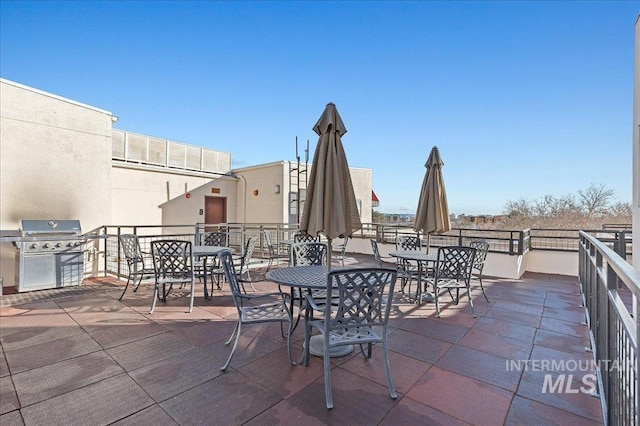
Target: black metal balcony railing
x=611, y=289
x=105, y=254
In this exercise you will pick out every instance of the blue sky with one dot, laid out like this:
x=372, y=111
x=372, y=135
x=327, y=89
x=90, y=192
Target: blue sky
x=523, y=99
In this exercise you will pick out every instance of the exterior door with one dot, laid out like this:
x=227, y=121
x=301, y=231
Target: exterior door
x=215, y=210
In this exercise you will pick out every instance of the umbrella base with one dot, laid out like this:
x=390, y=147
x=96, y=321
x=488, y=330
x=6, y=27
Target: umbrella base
x=316, y=347
x=424, y=297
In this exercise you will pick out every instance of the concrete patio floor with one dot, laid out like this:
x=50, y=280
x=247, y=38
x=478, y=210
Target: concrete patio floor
x=79, y=356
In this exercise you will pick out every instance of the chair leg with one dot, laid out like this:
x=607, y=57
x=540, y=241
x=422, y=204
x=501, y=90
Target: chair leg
x=436, y=292
x=470, y=299
x=387, y=369
x=193, y=293
x=138, y=284
x=289, y=342
x=327, y=374
x=125, y=287
x=299, y=306
x=237, y=332
x=307, y=342
x=155, y=297
x=482, y=288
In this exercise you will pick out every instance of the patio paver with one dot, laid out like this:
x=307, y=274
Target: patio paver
x=80, y=356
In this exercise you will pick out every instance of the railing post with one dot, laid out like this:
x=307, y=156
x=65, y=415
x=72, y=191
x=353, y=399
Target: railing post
x=520, y=242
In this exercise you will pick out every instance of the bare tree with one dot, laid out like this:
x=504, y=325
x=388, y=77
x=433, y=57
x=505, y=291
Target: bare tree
x=519, y=208
x=595, y=200
x=590, y=210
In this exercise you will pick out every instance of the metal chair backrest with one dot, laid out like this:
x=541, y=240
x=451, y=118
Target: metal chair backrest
x=482, y=248
x=308, y=254
x=172, y=258
x=454, y=263
x=376, y=252
x=131, y=248
x=213, y=239
x=363, y=298
x=226, y=259
x=248, y=252
x=269, y=242
x=408, y=242
x=300, y=237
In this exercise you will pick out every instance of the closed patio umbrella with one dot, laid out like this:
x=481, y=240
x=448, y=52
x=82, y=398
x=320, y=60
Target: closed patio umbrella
x=432, y=216
x=330, y=207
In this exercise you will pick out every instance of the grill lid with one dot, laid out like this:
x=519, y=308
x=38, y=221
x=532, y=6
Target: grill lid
x=34, y=228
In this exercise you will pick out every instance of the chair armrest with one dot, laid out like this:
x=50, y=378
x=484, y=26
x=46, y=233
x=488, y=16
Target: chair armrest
x=312, y=303
x=285, y=296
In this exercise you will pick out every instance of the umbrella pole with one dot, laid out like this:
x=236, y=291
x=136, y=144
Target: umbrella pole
x=329, y=255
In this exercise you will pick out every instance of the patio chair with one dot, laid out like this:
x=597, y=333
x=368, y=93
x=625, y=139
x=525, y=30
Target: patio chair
x=360, y=317
x=408, y=243
x=173, y=264
x=453, y=272
x=139, y=266
x=400, y=273
x=242, y=268
x=482, y=249
x=342, y=252
x=213, y=265
x=307, y=254
x=300, y=237
x=274, y=254
x=251, y=311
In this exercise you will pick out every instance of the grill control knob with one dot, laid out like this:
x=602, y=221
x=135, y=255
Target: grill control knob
x=46, y=245
x=70, y=244
x=58, y=245
x=33, y=246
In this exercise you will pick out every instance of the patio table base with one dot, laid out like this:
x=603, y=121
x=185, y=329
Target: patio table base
x=317, y=348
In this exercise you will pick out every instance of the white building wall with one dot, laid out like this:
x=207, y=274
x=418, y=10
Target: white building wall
x=153, y=197
x=257, y=198
x=258, y=202
x=180, y=210
x=55, y=163
x=362, y=181
x=636, y=150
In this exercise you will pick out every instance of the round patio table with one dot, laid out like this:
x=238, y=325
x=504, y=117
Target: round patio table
x=420, y=258
x=206, y=252
x=309, y=278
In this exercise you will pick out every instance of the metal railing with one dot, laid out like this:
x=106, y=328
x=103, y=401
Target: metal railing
x=611, y=289
x=500, y=241
x=106, y=257
x=619, y=240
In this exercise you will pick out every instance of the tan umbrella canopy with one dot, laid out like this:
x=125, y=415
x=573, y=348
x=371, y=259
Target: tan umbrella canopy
x=330, y=207
x=432, y=216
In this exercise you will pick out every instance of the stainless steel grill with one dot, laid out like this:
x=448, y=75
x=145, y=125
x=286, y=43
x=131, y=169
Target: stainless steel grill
x=50, y=254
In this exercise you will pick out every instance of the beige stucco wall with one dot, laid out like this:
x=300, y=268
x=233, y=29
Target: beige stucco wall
x=153, y=197
x=269, y=207
x=362, y=181
x=55, y=162
x=257, y=200
x=180, y=210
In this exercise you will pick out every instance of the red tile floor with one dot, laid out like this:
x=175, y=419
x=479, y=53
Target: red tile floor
x=80, y=356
